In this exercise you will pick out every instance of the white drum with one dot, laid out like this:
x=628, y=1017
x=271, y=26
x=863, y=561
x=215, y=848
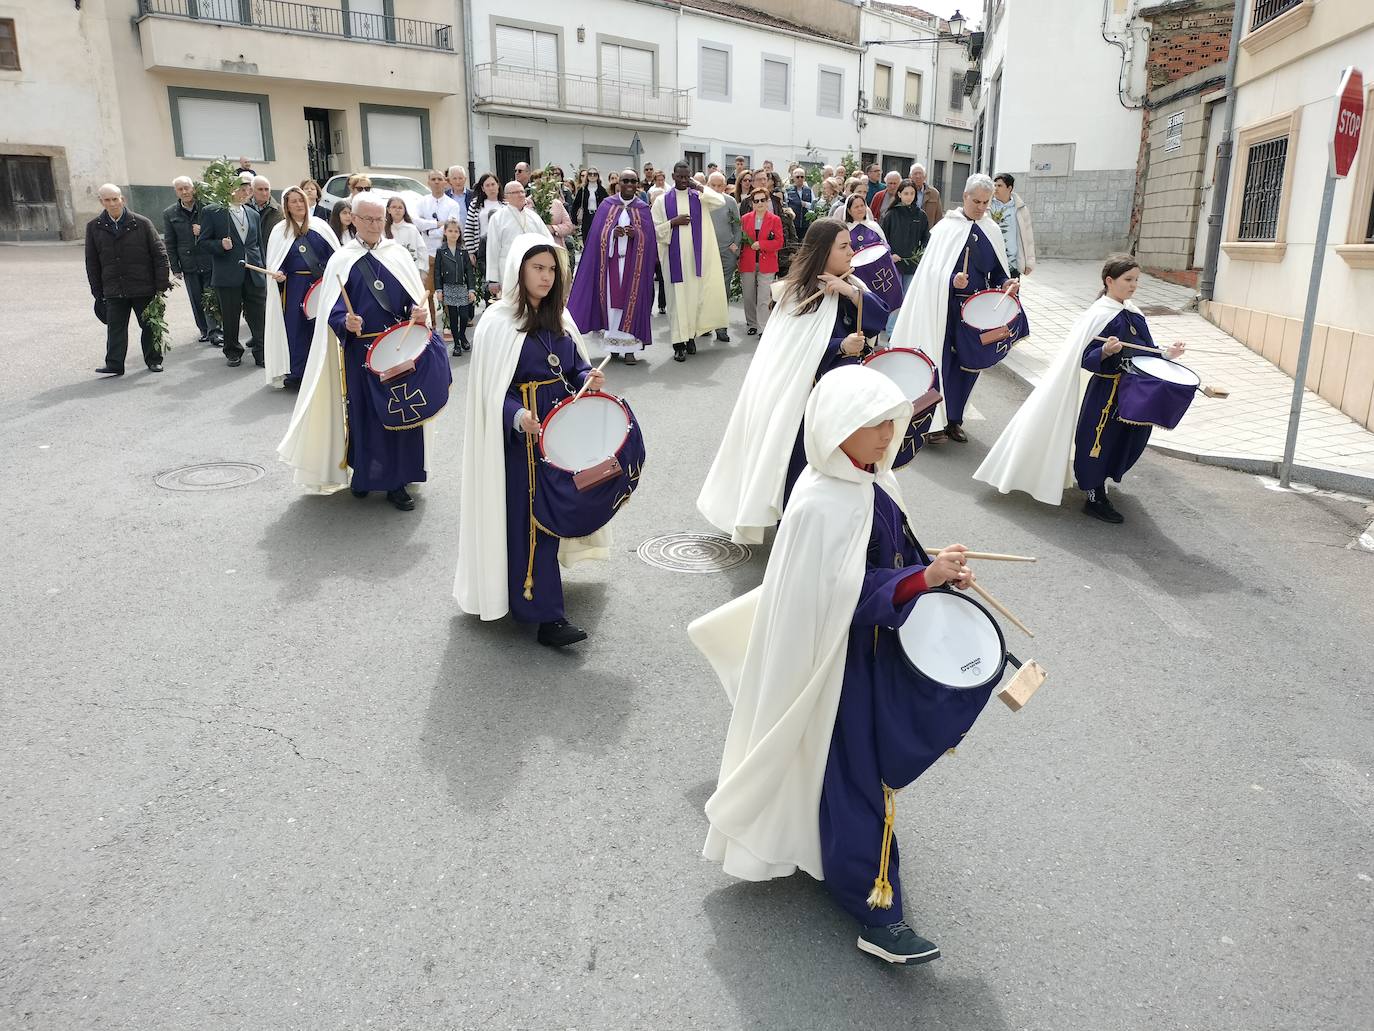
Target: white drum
x=990, y=309
x=953, y=641
x=1168, y=371
x=579, y=433
x=912, y=370
x=310, y=303
x=402, y=343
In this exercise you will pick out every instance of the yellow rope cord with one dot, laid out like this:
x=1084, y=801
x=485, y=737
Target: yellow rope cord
x=527, y=392
x=1102, y=422
x=881, y=895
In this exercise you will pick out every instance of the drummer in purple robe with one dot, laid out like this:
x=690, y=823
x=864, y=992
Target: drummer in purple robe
x=965, y=254
x=613, y=288
x=297, y=251
x=824, y=725
x=527, y=357
x=363, y=450
x=1105, y=447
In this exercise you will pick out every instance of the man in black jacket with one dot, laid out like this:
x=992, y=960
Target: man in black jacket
x=180, y=230
x=230, y=236
x=269, y=211
x=126, y=266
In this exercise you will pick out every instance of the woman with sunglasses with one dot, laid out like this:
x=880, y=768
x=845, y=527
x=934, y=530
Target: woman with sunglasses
x=588, y=200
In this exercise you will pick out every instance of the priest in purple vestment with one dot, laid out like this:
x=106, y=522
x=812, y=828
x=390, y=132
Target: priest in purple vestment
x=613, y=289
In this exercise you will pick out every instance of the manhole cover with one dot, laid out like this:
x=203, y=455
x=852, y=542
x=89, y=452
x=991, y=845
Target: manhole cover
x=693, y=552
x=210, y=476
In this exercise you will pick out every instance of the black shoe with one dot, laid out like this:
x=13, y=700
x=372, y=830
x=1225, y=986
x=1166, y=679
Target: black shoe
x=722, y=336
x=679, y=352
x=258, y=361
x=467, y=346
x=400, y=499
x=234, y=363
x=955, y=432
x=691, y=346
x=204, y=338
x=897, y=943
x=457, y=351
x=216, y=339
x=360, y=494
x=560, y=633
x=155, y=368
x=292, y=384
x=109, y=370
x=663, y=311
x=1099, y=507
x=753, y=331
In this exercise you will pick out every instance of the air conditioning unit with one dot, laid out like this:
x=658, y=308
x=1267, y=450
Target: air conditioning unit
x=971, y=80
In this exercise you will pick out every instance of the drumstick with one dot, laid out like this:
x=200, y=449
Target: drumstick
x=344, y=290
x=992, y=556
x=966, y=250
x=1152, y=350
x=256, y=268
x=583, y=389
x=1002, y=609
x=1206, y=391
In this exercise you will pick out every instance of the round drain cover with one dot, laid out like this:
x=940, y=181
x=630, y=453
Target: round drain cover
x=210, y=476
x=693, y=552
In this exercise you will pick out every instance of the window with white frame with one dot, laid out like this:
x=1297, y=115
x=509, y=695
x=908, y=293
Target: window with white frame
x=1262, y=185
x=830, y=92
x=714, y=81
x=395, y=137
x=911, y=100
x=521, y=47
x=211, y=124
x=622, y=63
x=776, y=90
x=882, y=87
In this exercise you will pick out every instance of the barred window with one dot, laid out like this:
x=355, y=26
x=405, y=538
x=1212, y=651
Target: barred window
x=9, y=46
x=1267, y=10
x=1260, y=199
x=956, y=91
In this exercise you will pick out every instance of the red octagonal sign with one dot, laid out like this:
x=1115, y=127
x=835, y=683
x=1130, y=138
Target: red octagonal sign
x=1345, y=139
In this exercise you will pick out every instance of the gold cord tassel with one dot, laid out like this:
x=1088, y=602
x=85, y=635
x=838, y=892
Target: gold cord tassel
x=1102, y=422
x=527, y=396
x=881, y=895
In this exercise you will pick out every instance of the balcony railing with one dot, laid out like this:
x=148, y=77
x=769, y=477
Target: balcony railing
x=881, y=103
x=306, y=18
x=912, y=110
x=1267, y=10
x=508, y=85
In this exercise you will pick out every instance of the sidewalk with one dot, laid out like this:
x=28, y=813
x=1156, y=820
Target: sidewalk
x=1245, y=431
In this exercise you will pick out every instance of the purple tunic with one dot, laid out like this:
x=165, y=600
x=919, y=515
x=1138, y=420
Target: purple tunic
x=591, y=297
x=299, y=279
x=382, y=459
x=536, y=387
x=1119, y=444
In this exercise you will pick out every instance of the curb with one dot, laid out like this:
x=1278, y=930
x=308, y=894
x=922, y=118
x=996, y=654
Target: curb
x=1323, y=477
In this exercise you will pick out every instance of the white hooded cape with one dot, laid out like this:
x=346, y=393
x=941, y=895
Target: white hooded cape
x=1035, y=452
x=780, y=649
x=481, y=585
x=314, y=441
x=922, y=317
x=276, y=351
x=743, y=491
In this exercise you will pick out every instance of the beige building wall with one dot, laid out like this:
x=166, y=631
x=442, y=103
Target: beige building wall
x=1173, y=183
x=1287, y=74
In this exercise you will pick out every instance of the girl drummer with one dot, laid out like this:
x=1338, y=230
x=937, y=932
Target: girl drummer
x=527, y=357
x=1105, y=447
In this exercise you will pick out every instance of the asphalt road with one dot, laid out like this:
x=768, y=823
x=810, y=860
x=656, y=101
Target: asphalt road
x=259, y=773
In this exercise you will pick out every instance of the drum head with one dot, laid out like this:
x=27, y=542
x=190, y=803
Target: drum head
x=398, y=344
x=953, y=641
x=868, y=255
x=310, y=303
x=989, y=309
x=579, y=434
x=1163, y=368
x=910, y=369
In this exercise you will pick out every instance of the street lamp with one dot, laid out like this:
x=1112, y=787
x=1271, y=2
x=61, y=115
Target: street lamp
x=956, y=24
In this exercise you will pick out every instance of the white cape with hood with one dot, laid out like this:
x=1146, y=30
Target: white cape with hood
x=276, y=350
x=1035, y=452
x=922, y=318
x=481, y=586
x=780, y=649
x=743, y=491
x=314, y=441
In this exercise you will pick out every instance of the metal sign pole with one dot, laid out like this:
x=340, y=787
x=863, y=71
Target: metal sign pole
x=1309, y=316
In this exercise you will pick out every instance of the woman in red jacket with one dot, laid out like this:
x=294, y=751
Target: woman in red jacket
x=758, y=259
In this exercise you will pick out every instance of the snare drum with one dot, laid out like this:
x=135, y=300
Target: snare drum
x=874, y=267
x=310, y=303
x=996, y=320
x=1154, y=391
x=592, y=451
x=410, y=378
x=955, y=654
x=915, y=373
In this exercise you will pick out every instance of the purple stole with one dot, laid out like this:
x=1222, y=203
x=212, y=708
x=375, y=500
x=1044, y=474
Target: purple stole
x=674, y=246
x=624, y=292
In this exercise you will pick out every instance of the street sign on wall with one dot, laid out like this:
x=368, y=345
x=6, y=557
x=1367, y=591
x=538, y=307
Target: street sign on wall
x=1345, y=134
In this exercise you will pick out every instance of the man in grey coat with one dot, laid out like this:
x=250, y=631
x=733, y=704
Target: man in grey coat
x=727, y=226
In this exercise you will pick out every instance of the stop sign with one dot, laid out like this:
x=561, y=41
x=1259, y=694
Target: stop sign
x=1345, y=138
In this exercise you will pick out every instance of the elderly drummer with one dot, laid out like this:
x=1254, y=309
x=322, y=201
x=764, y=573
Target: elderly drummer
x=965, y=255
x=527, y=357
x=370, y=285
x=824, y=724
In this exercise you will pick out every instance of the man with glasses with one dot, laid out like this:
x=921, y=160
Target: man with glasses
x=799, y=199
x=614, y=287
x=517, y=216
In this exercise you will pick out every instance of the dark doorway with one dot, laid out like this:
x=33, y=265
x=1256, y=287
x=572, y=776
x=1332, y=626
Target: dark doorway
x=317, y=143
x=507, y=158
x=28, y=199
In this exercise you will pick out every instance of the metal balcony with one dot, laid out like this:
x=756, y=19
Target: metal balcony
x=307, y=19
x=564, y=97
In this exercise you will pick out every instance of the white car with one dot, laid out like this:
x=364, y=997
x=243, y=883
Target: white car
x=412, y=191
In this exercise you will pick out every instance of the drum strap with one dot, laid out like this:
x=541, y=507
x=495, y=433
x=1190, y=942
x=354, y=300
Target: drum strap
x=1102, y=422
x=311, y=259
x=378, y=292
x=881, y=895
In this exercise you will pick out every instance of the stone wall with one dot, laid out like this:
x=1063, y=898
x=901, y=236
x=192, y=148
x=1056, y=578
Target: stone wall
x=1083, y=215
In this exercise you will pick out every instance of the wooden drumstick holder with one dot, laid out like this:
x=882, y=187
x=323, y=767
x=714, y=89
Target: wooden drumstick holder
x=1027, y=681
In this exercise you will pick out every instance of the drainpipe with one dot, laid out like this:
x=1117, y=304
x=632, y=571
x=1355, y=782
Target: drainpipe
x=468, y=114
x=1222, y=175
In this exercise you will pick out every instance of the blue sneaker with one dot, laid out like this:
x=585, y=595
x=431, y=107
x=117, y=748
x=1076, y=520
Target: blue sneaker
x=897, y=943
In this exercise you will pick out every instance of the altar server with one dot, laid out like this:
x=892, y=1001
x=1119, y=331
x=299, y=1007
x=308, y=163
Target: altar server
x=297, y=252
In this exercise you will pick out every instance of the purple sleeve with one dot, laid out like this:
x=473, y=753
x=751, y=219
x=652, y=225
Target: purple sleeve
x=876, y=606
x=337, y=314
x=876, y=312
x=510, y=407
x=580, y=368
